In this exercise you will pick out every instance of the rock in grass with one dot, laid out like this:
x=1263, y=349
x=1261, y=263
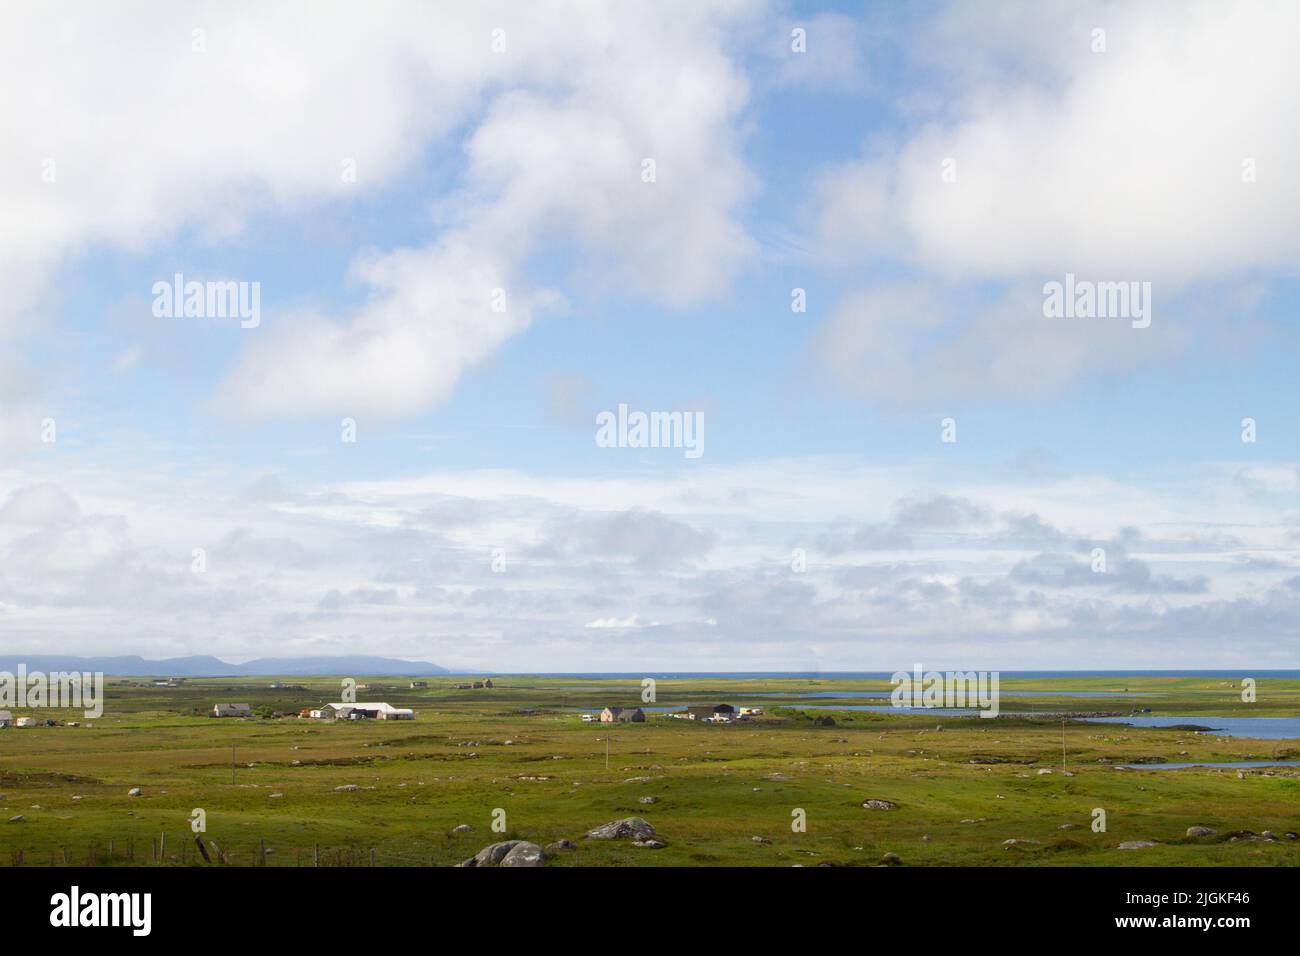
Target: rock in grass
x=649, y=844
x=1200, y=831
x=463, y=828
x=647, y=800
x=562, y=845
x=891, y=859
x=17, y=818
x=134, y=792
x=879, y=805
x=760, y=839
x=347, y=788
x=524, y=854
x=1014, y=841
x=629, y=828
x=492, y=854
x=1136, y=844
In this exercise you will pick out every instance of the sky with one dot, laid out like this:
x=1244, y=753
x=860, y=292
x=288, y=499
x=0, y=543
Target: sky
x=824, y=232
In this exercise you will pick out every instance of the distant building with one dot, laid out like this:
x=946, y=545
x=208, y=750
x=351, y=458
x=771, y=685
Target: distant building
x=360, y=711
x=622, y=715
x=464, y=686
x=708, y=713
x=478, y=685
x=751, y=711
x=419, y=683
x=232, y=710
x=488, y=682
x=25, y=722
x=6, y=719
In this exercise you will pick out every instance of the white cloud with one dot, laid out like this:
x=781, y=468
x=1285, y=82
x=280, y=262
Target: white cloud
x=266, y=115
x=1126, y=163
x=102, y=563
x=1123, y=165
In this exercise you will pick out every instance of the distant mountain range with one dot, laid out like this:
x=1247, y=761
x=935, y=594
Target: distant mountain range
x=349, y=665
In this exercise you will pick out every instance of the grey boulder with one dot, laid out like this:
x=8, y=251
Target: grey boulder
x=629, y=828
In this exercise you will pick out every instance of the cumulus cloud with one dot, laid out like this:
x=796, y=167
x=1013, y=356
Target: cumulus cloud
x=1154, y=159
x=282, y=108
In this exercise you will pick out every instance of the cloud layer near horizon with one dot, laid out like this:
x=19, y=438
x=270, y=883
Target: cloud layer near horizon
x=697, y=572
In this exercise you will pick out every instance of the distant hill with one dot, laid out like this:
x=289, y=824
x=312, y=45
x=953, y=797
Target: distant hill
x=353, y=664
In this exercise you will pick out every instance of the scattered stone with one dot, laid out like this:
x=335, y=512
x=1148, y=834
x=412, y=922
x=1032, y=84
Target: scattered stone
x=347, y=788
x=463, y=828
x=562, y=845
x=760, y=839
x=134, y=792
x=1067, y=826
x=650, y=844
x=891, y=859
x=276, y=796
x=1043, y=770
x=16, y=818
x=524, y=854
x=1015, y=841
x=628, y=828
x=492, y=854
x=1200, y=831
x=879, y=805
x=1137, y=844
x=647, y=800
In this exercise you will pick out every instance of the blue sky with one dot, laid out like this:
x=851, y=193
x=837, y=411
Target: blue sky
x=1116, y=159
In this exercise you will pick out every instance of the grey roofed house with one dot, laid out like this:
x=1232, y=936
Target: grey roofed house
x=232, y=710
x=622, y=715
x=6, y=719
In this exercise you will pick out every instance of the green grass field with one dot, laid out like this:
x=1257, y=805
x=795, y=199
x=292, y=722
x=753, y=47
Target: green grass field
x=962, y=785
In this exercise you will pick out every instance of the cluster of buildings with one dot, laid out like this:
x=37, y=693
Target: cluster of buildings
x=360, y=712
x=7, y=719
x=475, y=685
x=714, y=714
x=341, y=711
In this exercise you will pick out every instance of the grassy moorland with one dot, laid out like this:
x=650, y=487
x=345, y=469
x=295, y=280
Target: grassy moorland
x=962, y=785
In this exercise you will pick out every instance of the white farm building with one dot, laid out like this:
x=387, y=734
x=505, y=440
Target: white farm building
x=360, y=711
